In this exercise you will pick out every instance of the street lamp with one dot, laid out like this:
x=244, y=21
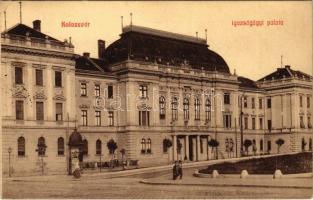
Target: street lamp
x=9, y=151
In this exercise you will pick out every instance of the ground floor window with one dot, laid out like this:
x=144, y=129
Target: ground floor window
x=98, y=147
x=60, y=146
x=21, y=146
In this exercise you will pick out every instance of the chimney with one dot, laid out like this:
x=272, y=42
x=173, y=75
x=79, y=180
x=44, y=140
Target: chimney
x=36, y=25
x=86, y=54
x=287, y=66
x=101, y=49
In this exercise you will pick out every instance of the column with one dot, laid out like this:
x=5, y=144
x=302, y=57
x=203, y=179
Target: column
x=174, y=147
x=187, y=146
x=198, y=148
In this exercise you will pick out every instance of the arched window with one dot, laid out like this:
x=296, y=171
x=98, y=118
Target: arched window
x=85, y=147
x=186, y=108
x=197, y=109
x=21, y=146
x=207, y=110
x=174, y=109
x=143, y=145
x=261, y=145
x=310, y=144
x=162, y=107
x=60, y=146
x=41, y=146
x=98, y=147
x=303, y=144
x=149, y=145
x=226, y=145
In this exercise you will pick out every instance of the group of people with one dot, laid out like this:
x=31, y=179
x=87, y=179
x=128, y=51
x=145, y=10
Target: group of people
x=178, y=170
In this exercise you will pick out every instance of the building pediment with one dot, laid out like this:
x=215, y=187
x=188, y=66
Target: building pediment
x=19, y=91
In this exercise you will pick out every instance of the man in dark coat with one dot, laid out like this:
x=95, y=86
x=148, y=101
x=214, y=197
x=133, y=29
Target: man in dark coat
x=175, y=170
x=180, y=169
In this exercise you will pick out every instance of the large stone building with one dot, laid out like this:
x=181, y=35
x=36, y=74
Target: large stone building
x=145, y=90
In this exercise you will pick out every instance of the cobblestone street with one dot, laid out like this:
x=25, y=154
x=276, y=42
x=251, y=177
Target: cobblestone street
x=129, y=187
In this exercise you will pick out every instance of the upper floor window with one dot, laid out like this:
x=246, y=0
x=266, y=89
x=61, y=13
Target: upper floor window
x=39, y=111
x=253, y=123
x=84, y=118
x=269, y=103
x=208, y=110
x=144, y=118
x=226, y=98
x=261, y=123
x=18, y=75
x=252, y=102
x=83, y=89
x=269, y=125
x=162, y=107
x=186, y=108
x=309, y=122
x=110, y=91
x=308, y=102
x=260, y=103
x=19, y=110
x=197, y=109
x=301, y=101
x=21, y=146
x=58, y=78
x=143, y=91
x=58, y=112
x=98, y=118
x=98, y=147
x=111, y=118
x=302, y=122
x=97, y=90
x=39, y=77
x=246, y=122
x=174, y=109
x=60, y=146
x=245, y=102
x=227, y=121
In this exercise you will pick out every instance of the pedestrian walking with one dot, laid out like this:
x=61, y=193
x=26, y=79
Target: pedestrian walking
x=175, y=170
x=180, y=169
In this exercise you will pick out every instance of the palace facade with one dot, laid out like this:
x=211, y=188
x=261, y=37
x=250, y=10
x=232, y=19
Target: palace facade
x=145, y=90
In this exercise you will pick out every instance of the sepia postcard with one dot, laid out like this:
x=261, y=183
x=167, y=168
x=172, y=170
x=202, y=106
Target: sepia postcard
x=156, y=100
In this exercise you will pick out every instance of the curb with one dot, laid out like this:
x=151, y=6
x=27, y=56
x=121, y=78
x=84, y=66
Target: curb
x=223, y=185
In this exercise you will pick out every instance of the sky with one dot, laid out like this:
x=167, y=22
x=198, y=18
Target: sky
x=253, y=51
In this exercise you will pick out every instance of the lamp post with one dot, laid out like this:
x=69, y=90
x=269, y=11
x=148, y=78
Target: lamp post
x=9, y=151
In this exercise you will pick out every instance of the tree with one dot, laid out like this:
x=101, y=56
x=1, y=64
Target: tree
x=167, y=143
x=279, y=143
x=247, y=144
x=112, y=146
x=214, y=144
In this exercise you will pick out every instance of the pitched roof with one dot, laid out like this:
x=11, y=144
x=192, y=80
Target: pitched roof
x=91, y=64
x=247, y=83
x=149, y=45
x=285, y=72
x=23, y=30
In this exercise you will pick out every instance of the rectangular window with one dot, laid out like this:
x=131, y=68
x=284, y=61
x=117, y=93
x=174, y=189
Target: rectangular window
x=39, y=111
x=269, y=125
x=110, y=92
x=269, y=103
x=246, y=122
x=253, y=123
x=97, y=90
x=261, y=123
x=245, y=102
x=144, y=118
x=227, y=121
x=84, y=118
x=58, y=112
x=308, y=103
x=301, y=101
x=302, y=122
x=58, y=78
x=19, y=108
x=253, y=103
x=39, y=77
x=226, y=98
x=260, y=103
x=83, y=89
x=143, y=91
x=98, y=118
x=111, y=118
x=18, y=75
